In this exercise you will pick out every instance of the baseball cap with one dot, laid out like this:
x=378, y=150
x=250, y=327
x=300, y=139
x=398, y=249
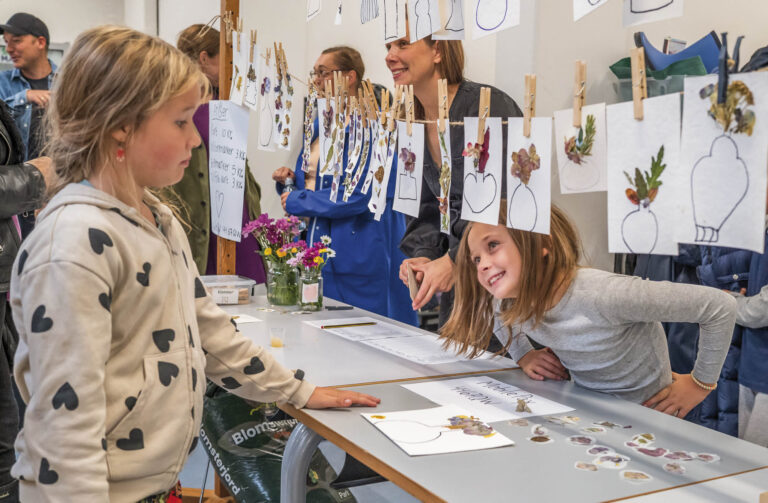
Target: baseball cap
x=22, y=23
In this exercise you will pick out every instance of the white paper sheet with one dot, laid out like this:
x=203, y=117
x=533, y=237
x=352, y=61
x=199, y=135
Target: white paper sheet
x=490, y=399
x=424, y=349
x=239, y=66
x=409, y=175
x=583, y=7
x=451, y=20
x=339, y=7
x=641, y=228
x=369, y=10
x=378, y=202
x=313, y=8
x=228, y=141
x=266, y=107
x=647, y=11
x=394, y=19
x=244, y=318
x=436, y=431
x=723, y=202
x=590, y=174
x=482, y=191
x=529, y=206
x=379, y=330
x=252, y=81
x=423, y=18
x=491, y=16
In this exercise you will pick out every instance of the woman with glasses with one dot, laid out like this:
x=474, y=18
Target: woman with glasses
x=422, y=64
x=364, y=271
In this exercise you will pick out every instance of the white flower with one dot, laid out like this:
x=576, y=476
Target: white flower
x=326, y=240
x=331, y=253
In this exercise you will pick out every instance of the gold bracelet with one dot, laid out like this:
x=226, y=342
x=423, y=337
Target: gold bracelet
x=702, y=385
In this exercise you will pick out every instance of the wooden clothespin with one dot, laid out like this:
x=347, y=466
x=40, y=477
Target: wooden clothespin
x=639, y=89
x=253, y=45
x=442, y=105
x=409, y=111
x=227, y=22
x=361, y=104
x=529, y=109
x=396, y=106
x=278, y=67
x=386, y=120
x=328, y=95
x=579, y=90
x=239, y=33
x=482, y=113
x=283, y=59
x=267, y=55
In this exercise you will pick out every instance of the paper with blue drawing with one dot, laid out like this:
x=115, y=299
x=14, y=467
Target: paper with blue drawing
x=529, y=174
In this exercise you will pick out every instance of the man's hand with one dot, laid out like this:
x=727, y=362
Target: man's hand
x=436, y=276
x=39, y=97
x=281, y=174
x=324, y=398
x=46, y=168
x=540, y=364
x=678, y=398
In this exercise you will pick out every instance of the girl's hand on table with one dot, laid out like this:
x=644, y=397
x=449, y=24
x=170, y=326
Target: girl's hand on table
x=325, y=398
x=540, y=364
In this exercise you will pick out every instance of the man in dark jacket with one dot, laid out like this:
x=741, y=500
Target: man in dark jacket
x=22, y=187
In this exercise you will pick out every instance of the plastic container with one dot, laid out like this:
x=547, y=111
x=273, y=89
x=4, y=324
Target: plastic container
x=229, y=289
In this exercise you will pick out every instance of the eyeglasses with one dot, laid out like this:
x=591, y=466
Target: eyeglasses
x=324, y=73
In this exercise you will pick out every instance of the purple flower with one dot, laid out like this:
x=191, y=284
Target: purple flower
x=265, y=84
x=408, y=158
x=327, y=118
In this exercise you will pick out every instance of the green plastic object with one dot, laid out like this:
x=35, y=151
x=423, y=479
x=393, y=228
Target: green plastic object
x=245, y=442
x=666, y=81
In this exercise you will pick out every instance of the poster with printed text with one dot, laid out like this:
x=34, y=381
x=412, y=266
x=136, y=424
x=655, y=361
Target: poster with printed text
x=724, y=149
x=581, y=150
x=529, y=175
x=644, y=182
x=483, y=172
x=228, y=142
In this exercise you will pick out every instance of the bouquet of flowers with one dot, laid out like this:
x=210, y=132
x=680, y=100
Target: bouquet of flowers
x=313, y=258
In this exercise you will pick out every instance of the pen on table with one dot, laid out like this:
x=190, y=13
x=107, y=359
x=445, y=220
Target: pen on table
x=349, y=325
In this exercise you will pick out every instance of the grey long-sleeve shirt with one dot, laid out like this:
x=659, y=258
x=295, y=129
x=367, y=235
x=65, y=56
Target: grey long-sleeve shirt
x=752, y=312
x=607, y=331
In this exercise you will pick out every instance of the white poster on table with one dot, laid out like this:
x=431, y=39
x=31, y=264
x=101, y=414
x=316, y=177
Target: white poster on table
x=394, y=19
x=451, y=20
x=266, y=107
x=410, y=164
x=581, y=151
x=491, y=16
x=724, y=162
x=648, y=11
x=228, y=142
x=482, y=176
x=644, y=176
x=583, y=7
x=490, y=399
x=423, y=18
x=529, y=175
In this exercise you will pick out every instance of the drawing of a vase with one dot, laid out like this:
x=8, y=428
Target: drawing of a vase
x=407, y=187
x=265, y=123
x=523, y=211
x=456, y=20
x=719, y=182
x=409, y=432
x=641, y=6
x=489, y=15
x=640, y=230
x=576, y=177
x=423, y=19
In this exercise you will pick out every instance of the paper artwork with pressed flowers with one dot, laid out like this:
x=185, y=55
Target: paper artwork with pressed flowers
x=252, y=81
x=239, y=66
x=378, y=174
x=326, y=117
x=444, y=200
x=724, y=149
x=336, y=164
x=581, y=150
x=360, y=141
x=644, y=182
x=528, y=171
x=266, y=108
x=309, y=106
x=482, y=171
x=410, y=163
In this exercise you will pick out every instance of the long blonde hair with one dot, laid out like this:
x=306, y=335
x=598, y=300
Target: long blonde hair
x=470, y=325
x=113, y=78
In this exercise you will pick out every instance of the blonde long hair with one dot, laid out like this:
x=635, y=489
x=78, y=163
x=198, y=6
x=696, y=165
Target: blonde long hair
x=470, y=325
x=113, y=78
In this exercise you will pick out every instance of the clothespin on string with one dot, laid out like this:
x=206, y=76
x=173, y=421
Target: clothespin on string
x=409, y=111
x=639, y=87
x=227, y=22
x=328, y=95
x=278, y=68
x=239, y=33
x=579, y=90
x=482, y=113
x=267, y=55
x=399, y=90
x=253, y=45
x=529, y=108
x=442, y=105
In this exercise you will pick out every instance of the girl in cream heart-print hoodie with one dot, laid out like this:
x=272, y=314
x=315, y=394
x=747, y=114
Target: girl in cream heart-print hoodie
x=117, y=332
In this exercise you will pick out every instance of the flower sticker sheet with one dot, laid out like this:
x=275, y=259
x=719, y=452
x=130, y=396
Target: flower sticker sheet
x=444, y=201
x=583, y=7
x=482, y=172
x=353, y=180
x=410, y=164
x=383, y=163
x=648, y=11
x=327, y=135
x=240, y=47
x=581, y=151
x=491, y=16
x=437, y=431
x=644, y=183
x=423, y=18
x=451, y=20
x=309, y=105
x=724, y=148
x=267, y=100
x=528, y=171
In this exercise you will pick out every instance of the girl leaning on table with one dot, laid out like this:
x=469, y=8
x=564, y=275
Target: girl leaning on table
x=117, y=332
x=605, y=328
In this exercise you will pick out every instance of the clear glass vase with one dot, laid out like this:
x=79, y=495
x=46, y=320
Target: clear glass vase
x=311, y=289
x=282, y=284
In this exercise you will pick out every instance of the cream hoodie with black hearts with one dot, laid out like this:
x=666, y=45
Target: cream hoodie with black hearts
x=117, y=337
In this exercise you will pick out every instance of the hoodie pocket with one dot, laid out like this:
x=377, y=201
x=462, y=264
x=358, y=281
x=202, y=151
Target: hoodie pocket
x=150, y=439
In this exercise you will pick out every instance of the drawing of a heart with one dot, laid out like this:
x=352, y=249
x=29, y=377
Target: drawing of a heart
x=219, y=203
x=479, y=194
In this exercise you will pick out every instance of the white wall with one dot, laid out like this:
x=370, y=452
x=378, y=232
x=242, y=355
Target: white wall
x=66, y=19
x=175, y=15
